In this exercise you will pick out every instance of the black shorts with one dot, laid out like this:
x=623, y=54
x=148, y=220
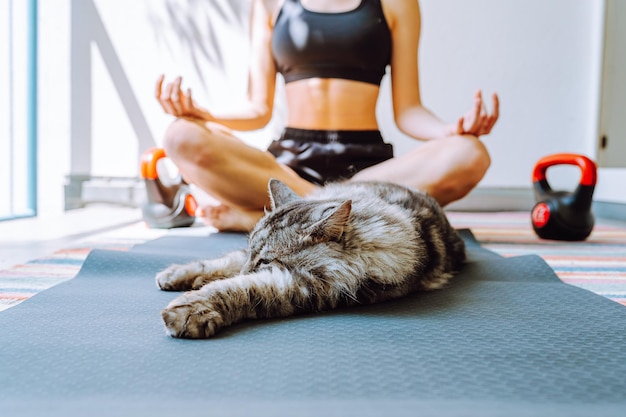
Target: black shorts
x=322, y=156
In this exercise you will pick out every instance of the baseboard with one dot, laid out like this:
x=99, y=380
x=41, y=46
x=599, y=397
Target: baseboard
x=522, y=199
x=81, y=190
x=609, y=211
x=495, y=199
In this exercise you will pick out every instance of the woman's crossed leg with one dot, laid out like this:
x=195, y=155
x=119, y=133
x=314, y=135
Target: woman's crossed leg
x=215, y=160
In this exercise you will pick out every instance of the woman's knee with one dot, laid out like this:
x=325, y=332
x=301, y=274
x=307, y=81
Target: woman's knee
x=189, y=141
x=468, y=165
x=476, y=160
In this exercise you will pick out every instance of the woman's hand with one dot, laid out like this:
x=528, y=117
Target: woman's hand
x=477, y=121
x=178, y=103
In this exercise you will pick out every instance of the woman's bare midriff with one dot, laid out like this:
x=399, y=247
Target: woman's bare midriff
x=317, y=104
x=331, y=104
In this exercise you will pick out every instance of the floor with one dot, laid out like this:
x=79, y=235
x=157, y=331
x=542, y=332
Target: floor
x=36, y=254
x=27, y=239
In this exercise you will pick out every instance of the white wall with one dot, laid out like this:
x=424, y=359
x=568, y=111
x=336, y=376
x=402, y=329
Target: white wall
x=541, y=56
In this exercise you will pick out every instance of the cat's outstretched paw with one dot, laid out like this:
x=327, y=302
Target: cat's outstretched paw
x=191, y=319
x=184, y=277
x=197, y=274
x=172, y=278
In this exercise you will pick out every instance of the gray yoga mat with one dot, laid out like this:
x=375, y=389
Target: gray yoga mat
x=505, y=338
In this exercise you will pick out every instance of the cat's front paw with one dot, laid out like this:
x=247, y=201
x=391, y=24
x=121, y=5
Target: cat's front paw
x=171, y=279
x=187, y=317
x=194, y=275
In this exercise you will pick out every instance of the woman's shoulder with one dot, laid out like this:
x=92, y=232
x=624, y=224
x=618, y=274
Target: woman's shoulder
x=400, y=10
x=271, y=7
x=266, y=9
x=400, y=5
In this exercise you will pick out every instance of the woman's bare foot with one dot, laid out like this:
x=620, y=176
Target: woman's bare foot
x=229, y=219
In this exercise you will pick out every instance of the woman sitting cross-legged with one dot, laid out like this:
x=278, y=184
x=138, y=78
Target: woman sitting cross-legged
x=332, y=55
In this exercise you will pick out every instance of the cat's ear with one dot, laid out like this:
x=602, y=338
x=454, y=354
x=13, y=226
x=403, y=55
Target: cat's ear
x=280, y=193
x=332, y=226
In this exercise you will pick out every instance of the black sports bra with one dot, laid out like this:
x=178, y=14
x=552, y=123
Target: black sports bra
x=353, y=45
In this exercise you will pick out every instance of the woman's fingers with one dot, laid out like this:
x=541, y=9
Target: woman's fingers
x=478, y=121
x=166, y=99
x=484, y=124
x=474, y=116
x=496, y=107
x=459, y=126
x=159, y=86
x=188, y=101
x=158, y=93
x=491, y=121
x=487, y=121
x=174, y=100
x=493, y=117
x=171, y=98
x=175, y=96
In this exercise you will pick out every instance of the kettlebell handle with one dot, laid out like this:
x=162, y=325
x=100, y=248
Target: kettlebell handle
x=149, y=161
x=588, y=169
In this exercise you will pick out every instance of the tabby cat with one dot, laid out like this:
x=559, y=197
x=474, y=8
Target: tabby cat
x=347, y=244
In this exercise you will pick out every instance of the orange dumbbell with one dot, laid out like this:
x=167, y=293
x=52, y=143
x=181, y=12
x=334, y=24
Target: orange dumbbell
x=168, y=205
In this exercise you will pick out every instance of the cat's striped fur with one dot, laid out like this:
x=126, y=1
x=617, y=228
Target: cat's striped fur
x=348, y=243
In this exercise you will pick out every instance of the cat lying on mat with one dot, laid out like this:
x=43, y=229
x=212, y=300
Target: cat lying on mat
x=347, y=244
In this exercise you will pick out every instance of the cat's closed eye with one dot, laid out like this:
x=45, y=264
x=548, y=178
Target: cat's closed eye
x=263, y=261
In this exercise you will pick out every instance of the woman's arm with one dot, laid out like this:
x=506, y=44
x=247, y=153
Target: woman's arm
x=411, y=117
x=253, y=113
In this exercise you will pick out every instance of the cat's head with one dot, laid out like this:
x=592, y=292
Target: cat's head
x=294, y=224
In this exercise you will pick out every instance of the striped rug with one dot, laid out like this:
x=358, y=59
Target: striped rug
x=597, y=264
x=22, y=281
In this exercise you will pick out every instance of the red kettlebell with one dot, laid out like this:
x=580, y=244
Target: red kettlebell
x=168, y=205
x=561, y=215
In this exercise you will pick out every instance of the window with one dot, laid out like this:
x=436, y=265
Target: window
x=18, y=111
